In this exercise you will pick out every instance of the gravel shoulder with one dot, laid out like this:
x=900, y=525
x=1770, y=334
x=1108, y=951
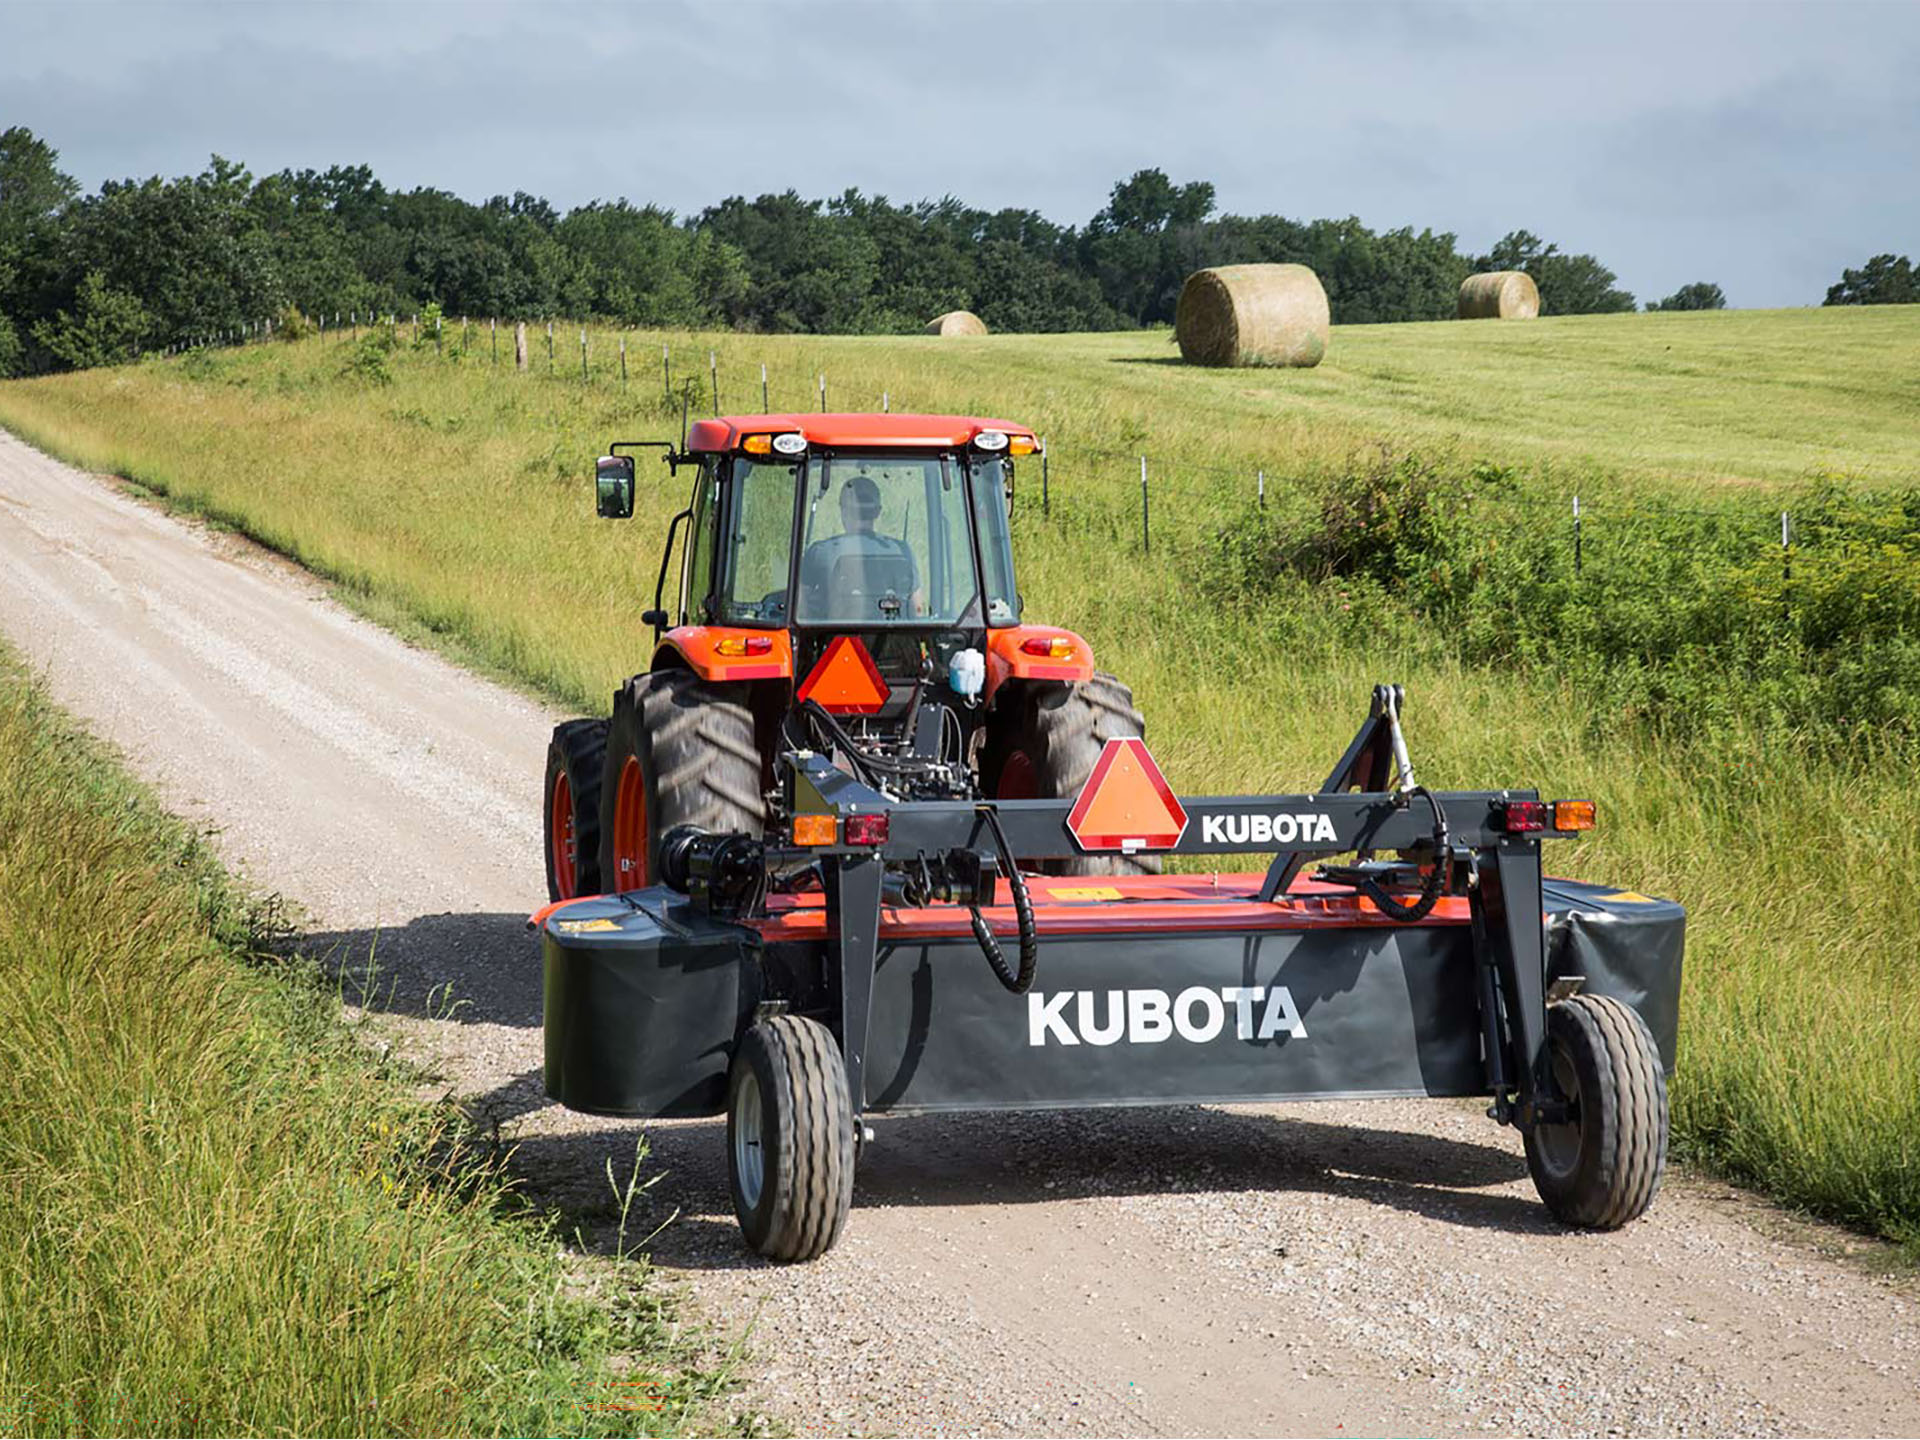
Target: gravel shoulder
x=1351, y=1268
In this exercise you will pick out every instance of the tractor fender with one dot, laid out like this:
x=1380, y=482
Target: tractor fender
x=704, y=649
x=1007, y=660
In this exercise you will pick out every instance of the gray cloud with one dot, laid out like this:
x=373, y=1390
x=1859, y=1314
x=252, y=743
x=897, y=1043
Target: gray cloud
x=1763, y=146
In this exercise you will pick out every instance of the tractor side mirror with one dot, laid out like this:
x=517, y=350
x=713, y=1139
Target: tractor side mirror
x=613, y=487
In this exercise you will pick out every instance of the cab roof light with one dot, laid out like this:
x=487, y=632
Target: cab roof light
x=1054, y=647
x=992, y=440
x=815, y=830
x=789, y=442
x=1021, y=445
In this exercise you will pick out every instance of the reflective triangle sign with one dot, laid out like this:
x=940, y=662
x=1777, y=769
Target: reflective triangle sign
x=845, y=680
x=1126, y=803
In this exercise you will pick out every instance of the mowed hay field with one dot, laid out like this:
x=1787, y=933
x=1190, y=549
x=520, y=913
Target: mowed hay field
x=1744, y=723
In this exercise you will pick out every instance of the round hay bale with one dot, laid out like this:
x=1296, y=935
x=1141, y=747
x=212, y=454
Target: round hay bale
x=1499, y=295
x=956, y=322
x=1252, y=315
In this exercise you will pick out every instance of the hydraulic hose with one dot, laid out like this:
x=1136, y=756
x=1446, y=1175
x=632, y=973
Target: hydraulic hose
x=1435, y=884
x=1022, y=982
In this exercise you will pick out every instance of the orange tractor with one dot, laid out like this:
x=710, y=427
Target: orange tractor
x=846, y=585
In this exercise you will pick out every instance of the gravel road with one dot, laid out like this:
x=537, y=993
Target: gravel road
x=1340, y=1268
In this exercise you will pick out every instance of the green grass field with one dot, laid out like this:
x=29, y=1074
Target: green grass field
x=1738, y=727
x=222, y=1215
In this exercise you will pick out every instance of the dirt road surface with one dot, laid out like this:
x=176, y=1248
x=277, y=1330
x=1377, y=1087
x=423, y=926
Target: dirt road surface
x=1256, y=1270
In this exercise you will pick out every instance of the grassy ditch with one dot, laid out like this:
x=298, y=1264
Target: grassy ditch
x=1737, y=709
x=222, y=1214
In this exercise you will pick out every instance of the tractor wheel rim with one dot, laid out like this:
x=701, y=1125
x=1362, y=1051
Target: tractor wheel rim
x=1559, y=1145
x=1018, y=779
x=629, y=829
x=749, y=1148
x=560, y=827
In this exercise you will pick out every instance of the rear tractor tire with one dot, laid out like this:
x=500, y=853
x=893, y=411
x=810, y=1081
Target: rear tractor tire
x=790, y=1138
x=576, y=761
x=1602, y=1168
x=1048, y=748
x=679, y=752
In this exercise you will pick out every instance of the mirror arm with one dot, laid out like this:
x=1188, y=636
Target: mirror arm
x=660, y=585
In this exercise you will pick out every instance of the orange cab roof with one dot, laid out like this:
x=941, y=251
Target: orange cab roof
x=928, y=431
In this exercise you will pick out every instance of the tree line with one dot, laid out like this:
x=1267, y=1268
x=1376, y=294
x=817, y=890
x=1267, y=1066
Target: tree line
x=88, y=279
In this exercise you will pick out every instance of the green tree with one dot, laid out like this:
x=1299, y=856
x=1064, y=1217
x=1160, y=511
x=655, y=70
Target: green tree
x=1569, y=284
x=105, y=327
x=1137, y=247
x=1698, y=296
x=1883, y=280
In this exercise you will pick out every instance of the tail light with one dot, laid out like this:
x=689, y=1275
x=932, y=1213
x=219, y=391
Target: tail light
x=1564, y=817
x=815, y=830
x=737, y=645
x=867, y=829
x=1057, y=647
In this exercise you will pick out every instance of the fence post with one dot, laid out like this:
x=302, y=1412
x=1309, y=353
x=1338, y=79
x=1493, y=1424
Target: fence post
x=438, y=346
x=666, y=372
x=1046, y=505
x=1576, y=535
x=1786, y=549
x=549, y=347
x=886, y=403
x=623, y=362
x=493, y=336
x=583, y=355
x=1262, y=490
x=713, y=369
x=1146, y=531
x=765, y=408
x=520, y=346
x=823, y=392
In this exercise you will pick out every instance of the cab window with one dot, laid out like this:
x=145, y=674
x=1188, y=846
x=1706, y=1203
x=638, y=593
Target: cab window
x=702, y=534
x=885, y=539
x=759, y=540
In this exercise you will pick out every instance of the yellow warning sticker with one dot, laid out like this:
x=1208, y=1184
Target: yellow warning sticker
x=1083, y=892
x=1631, y=898
x=582, y=927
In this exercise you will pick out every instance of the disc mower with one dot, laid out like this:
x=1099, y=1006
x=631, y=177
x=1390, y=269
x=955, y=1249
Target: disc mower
x=864, y=839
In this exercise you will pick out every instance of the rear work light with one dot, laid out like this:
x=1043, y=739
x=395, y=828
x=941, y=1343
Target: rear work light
x=867, y=829
x=1564, y=817
x=737, y=645
x=991, y=440
x=815, y=830
x=1056, y=647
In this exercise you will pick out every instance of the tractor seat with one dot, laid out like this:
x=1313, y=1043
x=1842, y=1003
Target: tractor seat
x=859, y=582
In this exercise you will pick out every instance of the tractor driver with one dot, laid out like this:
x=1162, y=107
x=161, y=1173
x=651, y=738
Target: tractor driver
x=848, y=576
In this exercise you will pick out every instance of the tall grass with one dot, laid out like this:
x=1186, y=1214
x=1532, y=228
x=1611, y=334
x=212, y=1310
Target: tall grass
x=453, y=497
x=221, y=1216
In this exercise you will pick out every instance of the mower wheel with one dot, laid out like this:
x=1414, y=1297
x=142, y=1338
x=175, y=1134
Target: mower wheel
x=576, y=761
x=790, y=1141
x=679, y=752
x=1048, y=748
x=1601, y=1168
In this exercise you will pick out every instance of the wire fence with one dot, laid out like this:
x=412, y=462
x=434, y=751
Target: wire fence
x=1132, y=499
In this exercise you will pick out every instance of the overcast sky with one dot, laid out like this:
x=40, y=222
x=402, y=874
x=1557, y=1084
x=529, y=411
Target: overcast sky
x=1763, y=146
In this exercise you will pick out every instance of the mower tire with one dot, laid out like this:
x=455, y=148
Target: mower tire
x=1048, y=750
x=790, y=1138
x=576, y=762
x=1602, y=1168
x=679, y=752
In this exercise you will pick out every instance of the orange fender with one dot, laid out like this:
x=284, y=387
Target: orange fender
x=1010, y=658
x=723, y=652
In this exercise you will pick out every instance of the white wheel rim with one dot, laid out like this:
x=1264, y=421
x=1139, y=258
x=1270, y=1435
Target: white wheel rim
x=749, y=1151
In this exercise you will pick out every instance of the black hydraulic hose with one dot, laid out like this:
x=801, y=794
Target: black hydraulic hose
x=1436, y=882
x=1022, y=982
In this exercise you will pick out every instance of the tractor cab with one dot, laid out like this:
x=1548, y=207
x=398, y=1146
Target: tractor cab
x=845, y=588
x=890, y=529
